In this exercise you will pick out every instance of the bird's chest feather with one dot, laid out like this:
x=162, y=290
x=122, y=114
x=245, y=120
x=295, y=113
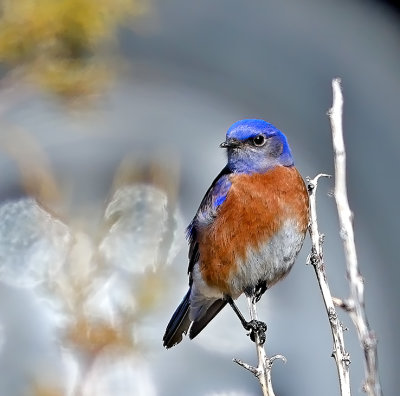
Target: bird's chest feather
x=257, y=232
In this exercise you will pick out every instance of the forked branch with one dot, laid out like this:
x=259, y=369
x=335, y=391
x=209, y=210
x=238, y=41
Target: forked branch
x=263, y=370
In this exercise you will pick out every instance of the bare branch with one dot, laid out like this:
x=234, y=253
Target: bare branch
x=357, y=312
x=316, y=258
x=347, y=305
x=263, y=370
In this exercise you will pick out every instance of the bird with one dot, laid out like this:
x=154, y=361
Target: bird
x=247, y=231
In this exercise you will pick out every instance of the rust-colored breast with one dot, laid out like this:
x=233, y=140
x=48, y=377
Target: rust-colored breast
x=254, y=210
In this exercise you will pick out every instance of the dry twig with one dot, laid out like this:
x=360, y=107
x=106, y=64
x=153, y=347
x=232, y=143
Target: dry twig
x=342, y=358
x=263, y=370
x=355, y=305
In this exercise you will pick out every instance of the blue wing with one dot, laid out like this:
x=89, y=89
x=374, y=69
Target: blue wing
x=214, y=197
x=180, y=321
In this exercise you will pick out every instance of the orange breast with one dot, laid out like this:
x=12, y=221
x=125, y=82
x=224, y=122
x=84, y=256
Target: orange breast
x=254, y=210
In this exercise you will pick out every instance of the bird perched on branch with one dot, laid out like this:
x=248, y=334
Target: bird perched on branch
x=247, y=231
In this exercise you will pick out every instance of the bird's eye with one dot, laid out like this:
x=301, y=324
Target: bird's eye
x=259, y=140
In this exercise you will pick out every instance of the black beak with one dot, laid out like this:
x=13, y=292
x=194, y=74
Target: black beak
x=230, y=143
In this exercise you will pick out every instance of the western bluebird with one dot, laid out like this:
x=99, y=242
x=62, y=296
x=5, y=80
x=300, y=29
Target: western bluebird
x=247, y=231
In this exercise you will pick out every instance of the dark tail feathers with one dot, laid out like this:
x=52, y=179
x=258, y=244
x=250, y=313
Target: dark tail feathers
x=180, y=321
x=199, y=324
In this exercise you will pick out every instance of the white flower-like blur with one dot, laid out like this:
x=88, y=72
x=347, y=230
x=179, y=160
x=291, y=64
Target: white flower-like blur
x=33, y=244
x=119, y=374
x=103, y=297
x=137, y=238
x=142, y=238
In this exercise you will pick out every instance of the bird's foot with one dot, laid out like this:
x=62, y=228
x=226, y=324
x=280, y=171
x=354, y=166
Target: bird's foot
x=257, y=327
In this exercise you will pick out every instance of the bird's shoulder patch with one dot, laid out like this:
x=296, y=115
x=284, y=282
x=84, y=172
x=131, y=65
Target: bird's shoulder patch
x=214, y=197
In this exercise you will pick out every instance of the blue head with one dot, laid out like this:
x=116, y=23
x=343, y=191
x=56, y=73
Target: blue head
x=255, y=146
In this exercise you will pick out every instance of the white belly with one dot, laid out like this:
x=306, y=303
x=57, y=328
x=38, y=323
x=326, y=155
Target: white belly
x=269, y=263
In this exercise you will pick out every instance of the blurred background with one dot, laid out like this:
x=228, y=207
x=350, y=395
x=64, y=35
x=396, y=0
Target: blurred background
x=111, y=112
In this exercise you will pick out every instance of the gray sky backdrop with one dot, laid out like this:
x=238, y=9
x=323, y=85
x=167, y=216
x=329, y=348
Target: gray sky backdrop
x=194, y=68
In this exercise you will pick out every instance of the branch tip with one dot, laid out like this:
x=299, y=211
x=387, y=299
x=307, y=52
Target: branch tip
x=312, y=183
x=246, y=366
x=277, y=357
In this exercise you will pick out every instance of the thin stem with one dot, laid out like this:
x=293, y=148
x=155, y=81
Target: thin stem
x=263, y=361
x=356, y=302
x=263, y=369
x=342, y=358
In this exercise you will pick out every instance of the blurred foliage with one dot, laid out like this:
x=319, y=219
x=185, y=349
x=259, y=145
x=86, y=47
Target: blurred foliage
x=93, y=337
x=43, y=390
x=102, y=290
x=59, y=43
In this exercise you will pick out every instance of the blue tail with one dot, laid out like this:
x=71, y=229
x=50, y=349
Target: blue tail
x=180, y=321
x=201, y=322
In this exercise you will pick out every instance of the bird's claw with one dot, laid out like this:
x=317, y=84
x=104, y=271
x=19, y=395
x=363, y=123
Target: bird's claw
x=257, y=327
